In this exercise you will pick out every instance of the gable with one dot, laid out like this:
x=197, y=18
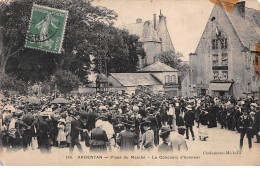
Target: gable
x=246, y=29
x=158, y=67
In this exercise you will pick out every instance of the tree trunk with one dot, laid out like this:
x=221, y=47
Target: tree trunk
x=2, y=57
x=3, y=61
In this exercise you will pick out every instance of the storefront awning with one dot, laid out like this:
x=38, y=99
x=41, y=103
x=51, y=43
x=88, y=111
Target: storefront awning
x=219, y=86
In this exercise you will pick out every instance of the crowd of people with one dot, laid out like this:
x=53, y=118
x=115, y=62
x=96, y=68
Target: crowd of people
x=127, y=122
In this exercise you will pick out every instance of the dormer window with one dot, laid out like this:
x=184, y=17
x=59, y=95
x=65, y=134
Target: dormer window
x=223, y=43
x=214, y=44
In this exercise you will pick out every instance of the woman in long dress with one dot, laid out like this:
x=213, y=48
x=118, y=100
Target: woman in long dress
x=61, y=138
x=98, y=139
x=203, y=125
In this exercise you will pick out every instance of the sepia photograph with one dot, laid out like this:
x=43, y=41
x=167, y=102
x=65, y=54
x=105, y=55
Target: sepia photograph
x=129, y=82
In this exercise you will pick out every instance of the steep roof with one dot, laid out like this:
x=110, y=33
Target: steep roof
x=135, y=79
x=246, y=28
x=163, y=33
x=158, y=67
x=145, y=30
x=134, y=28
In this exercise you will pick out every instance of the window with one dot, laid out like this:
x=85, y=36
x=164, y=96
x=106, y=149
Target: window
x=216, y=74
x=170, y=79
x=248, y=62
x=224, y=61
x=223, y=43
x=167, y=79
x=224, y=75
x=215, y=59
x=214, y=44
x=256, y=60
x=253, y=78
x=174, y=79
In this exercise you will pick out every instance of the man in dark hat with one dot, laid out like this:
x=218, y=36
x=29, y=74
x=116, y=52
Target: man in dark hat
x=163, y=112
x=91, y=119
x=165, y=135
x=154, y=126
x=245, y=124
x=28, y=119
x=148, y=137
x=127, y=139
x=141, y=110
x=189, y=119
x=44, y=133
x=20, y=128
x=75, y=130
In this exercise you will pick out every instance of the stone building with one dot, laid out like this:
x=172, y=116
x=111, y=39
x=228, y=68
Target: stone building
x=225, y=58
x=154, y=37
x=155, y=78
x=186, y=85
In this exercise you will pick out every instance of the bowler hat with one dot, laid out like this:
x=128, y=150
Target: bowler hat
x=146, y=122
x=181, y=128
x=129, y=124
x=164, y=130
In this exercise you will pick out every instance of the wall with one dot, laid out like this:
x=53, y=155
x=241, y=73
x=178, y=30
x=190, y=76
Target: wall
x=185, y=86
x=87, y=90
x=161, y=76
x=157, y=89
x=201, y=62
x=151, y=49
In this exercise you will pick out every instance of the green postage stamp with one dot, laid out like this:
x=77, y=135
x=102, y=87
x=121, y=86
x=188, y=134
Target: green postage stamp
x=46, y=30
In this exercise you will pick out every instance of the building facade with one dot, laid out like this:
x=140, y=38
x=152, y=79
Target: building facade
x=225, y=58
x=186, y=85
x=155, y=78
x=154, y=37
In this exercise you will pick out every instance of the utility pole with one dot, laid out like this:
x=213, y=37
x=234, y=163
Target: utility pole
x=101, y=84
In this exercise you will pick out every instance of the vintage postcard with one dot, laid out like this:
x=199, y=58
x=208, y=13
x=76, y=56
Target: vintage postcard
x=129, y=82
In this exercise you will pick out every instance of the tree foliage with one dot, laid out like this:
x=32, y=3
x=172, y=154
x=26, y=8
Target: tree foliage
x=89, y=32
x=65, y=81
x=11, y=83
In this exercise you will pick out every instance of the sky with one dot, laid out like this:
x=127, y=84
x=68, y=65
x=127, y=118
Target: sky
x=186, y=19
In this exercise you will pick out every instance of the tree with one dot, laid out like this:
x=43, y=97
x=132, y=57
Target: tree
x=11, y=83
x=65, y=81
x=170, y=58
x=83, y=20
x=89, y=32
x=120, y=49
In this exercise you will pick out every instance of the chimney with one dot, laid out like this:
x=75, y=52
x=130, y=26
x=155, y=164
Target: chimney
x=241, y=8
x=165, y=20
x=154, y=21
x=139, y=20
